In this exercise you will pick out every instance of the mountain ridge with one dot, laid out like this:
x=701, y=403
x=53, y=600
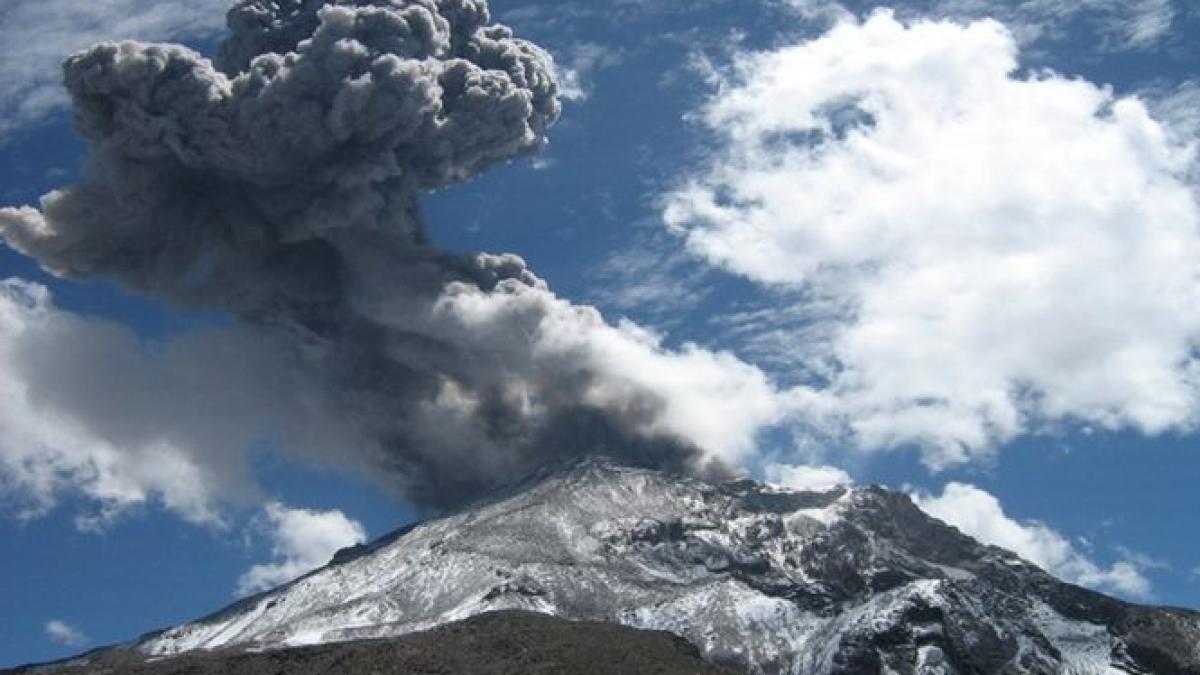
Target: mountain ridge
x=760, y=578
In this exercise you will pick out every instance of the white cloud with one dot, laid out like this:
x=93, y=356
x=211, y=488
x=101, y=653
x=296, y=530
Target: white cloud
x=996, y=253
x=87, y=408
x=36, y=35
x=818, y=11
x=1179, y=108
x=1118, y=24
x=1141, y=560
x=804, y=477
x=65, y=634
x=626, y=364
x=1149, y=21
x=302, y=541
x=578, y=66
x=651, y=279
x=980, y=515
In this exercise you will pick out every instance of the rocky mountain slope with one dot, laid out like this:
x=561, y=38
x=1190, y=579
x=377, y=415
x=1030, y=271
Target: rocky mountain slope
x=497, y=643
x=761, y=579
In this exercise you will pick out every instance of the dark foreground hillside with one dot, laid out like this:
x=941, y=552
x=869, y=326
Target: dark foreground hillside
x=499, y=643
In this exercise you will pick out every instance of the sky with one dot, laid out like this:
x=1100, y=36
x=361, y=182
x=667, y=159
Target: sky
x=946, y=247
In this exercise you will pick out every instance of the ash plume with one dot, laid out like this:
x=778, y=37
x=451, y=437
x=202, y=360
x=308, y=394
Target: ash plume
x=281, y=183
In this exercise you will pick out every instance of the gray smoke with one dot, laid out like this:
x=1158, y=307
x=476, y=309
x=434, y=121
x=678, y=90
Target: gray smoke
x=282, y=182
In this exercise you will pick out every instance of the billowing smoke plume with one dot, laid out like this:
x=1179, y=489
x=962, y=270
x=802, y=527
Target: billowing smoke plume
x=282, y=182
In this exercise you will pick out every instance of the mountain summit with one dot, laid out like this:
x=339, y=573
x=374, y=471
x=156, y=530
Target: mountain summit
x=761, y=579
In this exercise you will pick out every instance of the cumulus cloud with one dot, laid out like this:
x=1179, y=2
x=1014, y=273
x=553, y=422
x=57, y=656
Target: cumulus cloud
x=30, y=72
x=979, y=514
x=281, y=183
x=88, y=408
x=805, y=477
x=992, y=253
x=301, y=541
x=65, y=634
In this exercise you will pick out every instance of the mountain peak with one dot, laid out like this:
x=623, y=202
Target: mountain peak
x=761, y=578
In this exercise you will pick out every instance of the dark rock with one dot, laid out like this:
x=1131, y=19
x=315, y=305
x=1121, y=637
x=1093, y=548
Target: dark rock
x=500, y=643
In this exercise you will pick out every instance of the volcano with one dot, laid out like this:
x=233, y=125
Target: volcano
x=759, y=579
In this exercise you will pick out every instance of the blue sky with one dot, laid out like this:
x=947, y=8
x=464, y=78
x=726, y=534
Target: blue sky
x=1076, y=458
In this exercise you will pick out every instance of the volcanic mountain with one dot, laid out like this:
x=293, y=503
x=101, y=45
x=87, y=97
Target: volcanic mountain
x=759, y=578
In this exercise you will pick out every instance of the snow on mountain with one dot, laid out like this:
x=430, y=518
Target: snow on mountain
x=761, y=578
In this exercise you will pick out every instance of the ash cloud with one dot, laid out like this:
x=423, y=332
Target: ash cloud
x=281, y=182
